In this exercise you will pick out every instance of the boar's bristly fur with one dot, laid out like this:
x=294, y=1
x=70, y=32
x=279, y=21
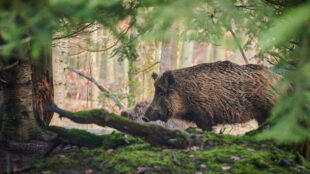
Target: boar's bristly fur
x=214, y=93
x=137, y=111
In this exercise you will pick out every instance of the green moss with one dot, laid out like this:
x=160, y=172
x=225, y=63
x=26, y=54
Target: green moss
x=235, y=154
x=301, y=160
x=49, y=132
x=54, y=164
x=85, y=113
x=83, y=137
x=145, y=124
x=182, y=139
x=116, y=139
x=116, y=117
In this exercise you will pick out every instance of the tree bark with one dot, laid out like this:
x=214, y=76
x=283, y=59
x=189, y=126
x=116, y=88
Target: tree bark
x=43, y=89
x=18, y=121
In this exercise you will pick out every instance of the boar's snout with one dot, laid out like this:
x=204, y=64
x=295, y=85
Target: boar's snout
x=145, y=119
x=152, y=115
x=125, y=114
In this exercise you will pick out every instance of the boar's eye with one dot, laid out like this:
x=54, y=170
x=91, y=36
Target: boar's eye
x=161, y=94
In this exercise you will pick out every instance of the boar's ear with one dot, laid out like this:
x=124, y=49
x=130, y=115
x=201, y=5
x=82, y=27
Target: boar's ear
x=168, y=79
x=154, y=75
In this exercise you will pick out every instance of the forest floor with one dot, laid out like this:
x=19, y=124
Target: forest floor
x=220, y=154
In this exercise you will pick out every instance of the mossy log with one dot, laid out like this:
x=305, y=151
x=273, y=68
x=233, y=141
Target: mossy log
x=153, y=134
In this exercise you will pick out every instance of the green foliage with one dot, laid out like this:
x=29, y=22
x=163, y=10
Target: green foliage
x=291, y=114
x=34, y=22
x=287, y=27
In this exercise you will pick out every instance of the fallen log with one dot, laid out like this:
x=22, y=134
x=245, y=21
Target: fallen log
x=153, y=134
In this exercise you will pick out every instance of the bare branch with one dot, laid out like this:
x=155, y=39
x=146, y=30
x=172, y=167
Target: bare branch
x=145, y=69
x=9, y=66
x=94, y=50
x=113, y=45
x=101, y=88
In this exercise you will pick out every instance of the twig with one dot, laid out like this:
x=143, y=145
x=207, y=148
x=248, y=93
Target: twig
x=9, y=66
x=148, y=67
x=94, y=50
x=239, y=46
x=120, y=105
x=113, y=45
x=73, y=33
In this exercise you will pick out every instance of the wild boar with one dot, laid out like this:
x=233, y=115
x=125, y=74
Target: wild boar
x=214, y=93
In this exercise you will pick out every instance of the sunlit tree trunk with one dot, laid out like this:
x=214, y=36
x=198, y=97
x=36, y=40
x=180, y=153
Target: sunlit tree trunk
x=108, y=60
x=168, y=59
x=95, y=69
x=200, y=53
x=213, y=53
x=59, y=53
x=186, y=54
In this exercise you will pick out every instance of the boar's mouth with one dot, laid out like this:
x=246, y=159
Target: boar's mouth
x=145, y=119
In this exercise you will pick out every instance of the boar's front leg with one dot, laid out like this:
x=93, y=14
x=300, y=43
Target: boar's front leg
x=203, y=122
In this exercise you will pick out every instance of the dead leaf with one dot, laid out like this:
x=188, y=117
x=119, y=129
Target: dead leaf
x=226, y=168
x=89, y=171
x=300, y=166
x=143, y=169
x=236, y=158
x=202, y=166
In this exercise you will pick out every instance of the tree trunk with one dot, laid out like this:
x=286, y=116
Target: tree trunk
x=199, y=53
x=59, y=75
x=186, y=54
x=43, y=90
x=95, y=70
x=18, y=117
x=29, y=90
x=213, y=53
x=168, y=59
